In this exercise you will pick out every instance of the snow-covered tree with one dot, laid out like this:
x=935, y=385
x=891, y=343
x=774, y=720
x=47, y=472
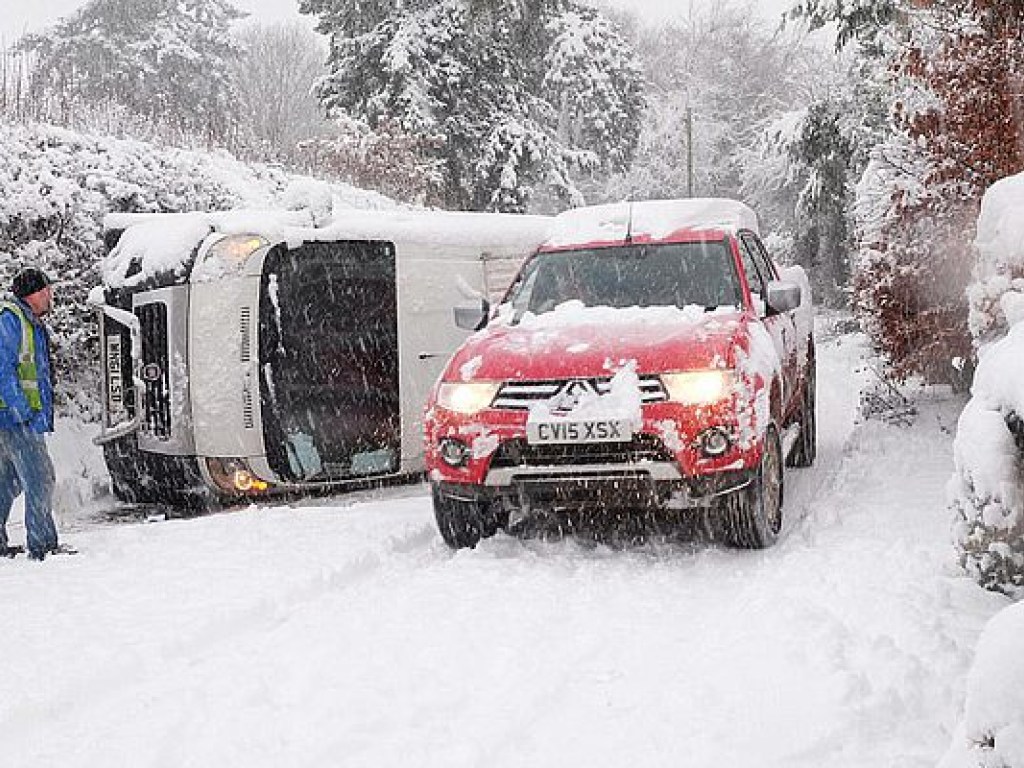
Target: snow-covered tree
x=957, y=126
x=387, y=159
x=273, y=79
x=492, y=79
x=810, y=160
x=987, y=490
x=716, y=79
x=168, y=60
x=593, y=79
x=861, y=20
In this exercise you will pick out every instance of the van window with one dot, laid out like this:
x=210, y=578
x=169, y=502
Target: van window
x=675, y=274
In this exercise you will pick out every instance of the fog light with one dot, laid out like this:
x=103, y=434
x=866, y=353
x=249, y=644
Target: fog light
x=454, y=453
x=245, y=481
x=714, y=442
x=233, y=476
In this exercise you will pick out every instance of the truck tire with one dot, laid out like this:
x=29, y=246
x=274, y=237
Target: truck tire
x=463, y=522
x=806, y=447
x=752, y=518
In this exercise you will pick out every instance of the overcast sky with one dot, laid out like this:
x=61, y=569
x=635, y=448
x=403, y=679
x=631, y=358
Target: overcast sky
x=20, y=16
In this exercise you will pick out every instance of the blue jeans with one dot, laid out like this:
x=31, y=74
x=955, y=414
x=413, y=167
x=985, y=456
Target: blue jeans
x=25, y=465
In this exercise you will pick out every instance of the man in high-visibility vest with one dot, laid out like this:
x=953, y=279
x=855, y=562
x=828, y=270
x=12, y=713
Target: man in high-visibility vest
x=26, y=411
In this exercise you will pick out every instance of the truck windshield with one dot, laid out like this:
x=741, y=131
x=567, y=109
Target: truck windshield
x=676, y=274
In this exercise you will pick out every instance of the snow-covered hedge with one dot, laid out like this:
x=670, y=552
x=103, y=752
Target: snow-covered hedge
x=987, y=489
x=55, y=188
x=991, y=733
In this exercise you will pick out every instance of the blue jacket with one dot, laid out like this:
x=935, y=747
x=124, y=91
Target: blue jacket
x=17, y=410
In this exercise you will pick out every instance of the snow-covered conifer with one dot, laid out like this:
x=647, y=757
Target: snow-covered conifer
x=166, y=59
x=472, y=72
x=594, y=80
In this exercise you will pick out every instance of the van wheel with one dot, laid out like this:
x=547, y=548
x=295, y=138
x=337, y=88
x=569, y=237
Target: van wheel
x=752, y=518
x=463, y=522
x=806, y=447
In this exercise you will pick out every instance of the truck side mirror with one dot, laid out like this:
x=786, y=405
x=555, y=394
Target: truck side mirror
x=782, y=296
x=473, y=317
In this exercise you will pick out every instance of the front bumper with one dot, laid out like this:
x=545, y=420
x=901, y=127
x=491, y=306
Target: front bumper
x=662, y=465
x=616, y=489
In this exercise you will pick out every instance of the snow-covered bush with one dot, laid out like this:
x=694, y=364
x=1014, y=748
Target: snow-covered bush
x=1000, y=264
x=991, y=733
x=987, y=489
x=985, y=493
x=57, y=185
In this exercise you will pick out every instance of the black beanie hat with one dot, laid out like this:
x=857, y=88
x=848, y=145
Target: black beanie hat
x=29, y=281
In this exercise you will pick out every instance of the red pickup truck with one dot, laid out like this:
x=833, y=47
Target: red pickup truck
x=649, y=356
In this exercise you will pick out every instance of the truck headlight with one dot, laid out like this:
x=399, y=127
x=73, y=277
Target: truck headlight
x=698, y=387
x=466, y=397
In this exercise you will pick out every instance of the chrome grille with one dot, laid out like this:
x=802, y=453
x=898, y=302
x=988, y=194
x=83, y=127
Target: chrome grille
x=518, y=453
x=520, y=395
x=156, y=397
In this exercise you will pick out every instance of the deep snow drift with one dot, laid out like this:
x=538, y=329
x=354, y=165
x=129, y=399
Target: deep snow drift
x=343, y=632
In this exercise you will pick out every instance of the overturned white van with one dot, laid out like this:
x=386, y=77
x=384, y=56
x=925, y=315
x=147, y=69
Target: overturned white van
x=251, y=352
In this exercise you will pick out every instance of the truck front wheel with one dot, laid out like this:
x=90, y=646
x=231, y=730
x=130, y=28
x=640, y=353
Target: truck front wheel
x=464, y=518
x=752, y=518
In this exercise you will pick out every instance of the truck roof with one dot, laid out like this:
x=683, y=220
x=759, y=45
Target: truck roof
x=650, y=221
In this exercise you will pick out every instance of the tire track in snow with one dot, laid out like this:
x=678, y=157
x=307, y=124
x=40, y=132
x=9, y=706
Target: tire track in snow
x=841, y=378
x=406, y=550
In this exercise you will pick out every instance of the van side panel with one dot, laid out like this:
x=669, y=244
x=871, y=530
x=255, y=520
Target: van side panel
x=223, y=364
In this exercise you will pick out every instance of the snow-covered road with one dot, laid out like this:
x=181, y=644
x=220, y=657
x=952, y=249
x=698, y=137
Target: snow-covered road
x=348, y=635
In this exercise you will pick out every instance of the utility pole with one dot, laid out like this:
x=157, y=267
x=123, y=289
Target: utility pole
x=689, y=151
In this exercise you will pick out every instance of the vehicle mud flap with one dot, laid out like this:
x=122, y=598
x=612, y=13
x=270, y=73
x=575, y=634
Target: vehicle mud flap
x=464, y=519
x=805, y=449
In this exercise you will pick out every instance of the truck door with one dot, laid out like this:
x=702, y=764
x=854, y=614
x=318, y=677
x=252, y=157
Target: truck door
x=780, y=326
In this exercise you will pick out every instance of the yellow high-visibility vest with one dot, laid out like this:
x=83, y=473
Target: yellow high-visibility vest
x=28, y=374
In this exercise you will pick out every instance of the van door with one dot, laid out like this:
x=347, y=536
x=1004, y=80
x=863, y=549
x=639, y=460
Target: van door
x=329, y=376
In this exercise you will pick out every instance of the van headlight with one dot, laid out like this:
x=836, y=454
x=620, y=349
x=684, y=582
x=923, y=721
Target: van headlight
x=698, y=387
x=466, y=397
x=232, y=252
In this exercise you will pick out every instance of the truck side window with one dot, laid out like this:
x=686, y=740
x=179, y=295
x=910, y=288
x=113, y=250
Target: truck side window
x=760, y=253
x=750, y=267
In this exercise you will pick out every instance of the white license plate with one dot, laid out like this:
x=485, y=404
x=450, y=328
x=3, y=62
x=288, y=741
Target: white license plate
x=594, y=431
x=115, y=382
